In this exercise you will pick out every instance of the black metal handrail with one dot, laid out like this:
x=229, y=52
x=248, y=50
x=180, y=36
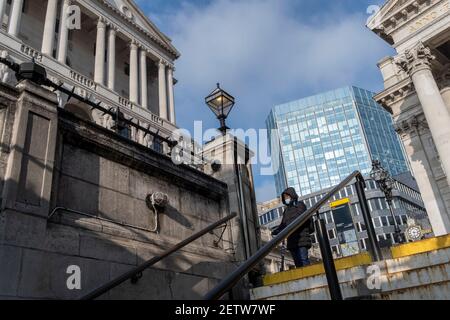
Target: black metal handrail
x=139, y=269
x=228, y=283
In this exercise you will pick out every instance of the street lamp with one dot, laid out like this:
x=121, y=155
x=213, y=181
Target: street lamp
x=386, y=184
x=220, y=102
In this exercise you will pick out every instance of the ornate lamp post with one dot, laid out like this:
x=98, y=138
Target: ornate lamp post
x=220, y=102
x=386, y=184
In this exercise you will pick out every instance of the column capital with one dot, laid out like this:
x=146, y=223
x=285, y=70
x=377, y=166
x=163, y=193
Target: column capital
x=134, y=44
x=162, y=63
x=101, y=23
x=411, y=125
x=166, y=64
x=112, y=27
x=416, y=59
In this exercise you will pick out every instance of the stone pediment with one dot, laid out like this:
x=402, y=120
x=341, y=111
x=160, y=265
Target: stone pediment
x=398, y=19
x=389, y=9
x=130, y=10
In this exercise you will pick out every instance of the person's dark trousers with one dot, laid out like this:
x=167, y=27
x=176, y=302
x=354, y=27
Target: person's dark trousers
x=300, y=256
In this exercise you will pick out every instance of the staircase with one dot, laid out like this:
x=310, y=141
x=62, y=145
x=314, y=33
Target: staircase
x=415, y=271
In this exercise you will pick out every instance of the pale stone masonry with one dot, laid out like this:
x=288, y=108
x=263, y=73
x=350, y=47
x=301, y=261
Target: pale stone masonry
x=53, y=159
x=75, y=182
x=118, y=56
x=416, y=93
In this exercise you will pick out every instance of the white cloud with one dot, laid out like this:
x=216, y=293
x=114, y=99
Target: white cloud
x=264, y=53
x=261, y=53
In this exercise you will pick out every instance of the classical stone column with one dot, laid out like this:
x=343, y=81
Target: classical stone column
x=63, y=33
x=144, y=83
x=412, y=132
x=417, y=63
x=134, y=73
x=99, y=75
x=112, y=58
x=2, y=11
x=14, y=17
x=162, y=90
x=49, y=27
x=444, y=84
x=170, y=94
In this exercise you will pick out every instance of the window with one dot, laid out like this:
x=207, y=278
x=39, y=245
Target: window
x=331, y=234
x=381, y=237
x=349, y=190
x=329, y=217
x=405, y=219
x=391, y=221
x=361, y=227
x=377, y=222
x=335, y=250
x=356, y=209
x=384, y=221
x=363, y=244
x=127, y=69
x=375, y=204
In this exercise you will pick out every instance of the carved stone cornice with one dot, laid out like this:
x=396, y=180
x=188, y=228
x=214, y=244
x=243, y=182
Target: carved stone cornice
x=153, y=37
x=411, y=125
x=400, y=16
x=416, y=59
x=395, y=94
x=411, y=14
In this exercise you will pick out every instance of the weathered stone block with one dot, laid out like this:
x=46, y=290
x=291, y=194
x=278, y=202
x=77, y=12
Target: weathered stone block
x=10, y=262
x=107, y=249
x=44, y=275
x=78, y=195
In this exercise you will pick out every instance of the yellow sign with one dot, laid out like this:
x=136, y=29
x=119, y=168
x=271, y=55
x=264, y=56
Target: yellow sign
x=339, y=202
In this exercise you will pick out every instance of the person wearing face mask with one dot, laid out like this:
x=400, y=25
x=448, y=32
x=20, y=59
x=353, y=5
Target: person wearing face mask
x=300, y=241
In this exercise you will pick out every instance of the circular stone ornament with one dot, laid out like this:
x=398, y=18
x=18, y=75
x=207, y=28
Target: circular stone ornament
x=414, y=233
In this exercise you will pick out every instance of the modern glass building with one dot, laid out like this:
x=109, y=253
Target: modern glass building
x=324, y=138
x=408, y=207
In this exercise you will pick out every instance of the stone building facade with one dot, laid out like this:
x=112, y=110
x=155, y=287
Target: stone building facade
x=106, y=50
x=75, y=189
x=417, y=91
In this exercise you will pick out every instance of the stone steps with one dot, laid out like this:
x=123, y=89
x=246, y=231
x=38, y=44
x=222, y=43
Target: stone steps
x=419, y=270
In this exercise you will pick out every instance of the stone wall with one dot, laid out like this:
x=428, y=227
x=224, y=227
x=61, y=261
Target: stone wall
x=419, y=277
x=51, y=159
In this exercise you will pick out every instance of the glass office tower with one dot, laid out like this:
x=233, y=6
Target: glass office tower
x=324, y=138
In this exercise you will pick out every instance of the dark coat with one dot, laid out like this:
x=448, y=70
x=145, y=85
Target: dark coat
x=301, y=237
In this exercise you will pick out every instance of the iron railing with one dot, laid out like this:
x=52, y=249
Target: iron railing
x=229, y=282
x=38, y=75
x=136, y=273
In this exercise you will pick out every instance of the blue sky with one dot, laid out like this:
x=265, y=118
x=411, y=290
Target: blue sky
x=266, y=52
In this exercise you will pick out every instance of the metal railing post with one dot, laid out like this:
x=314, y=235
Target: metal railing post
x=327, y=258
x=135, y=273
x=374, y=247
x=227, y=284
